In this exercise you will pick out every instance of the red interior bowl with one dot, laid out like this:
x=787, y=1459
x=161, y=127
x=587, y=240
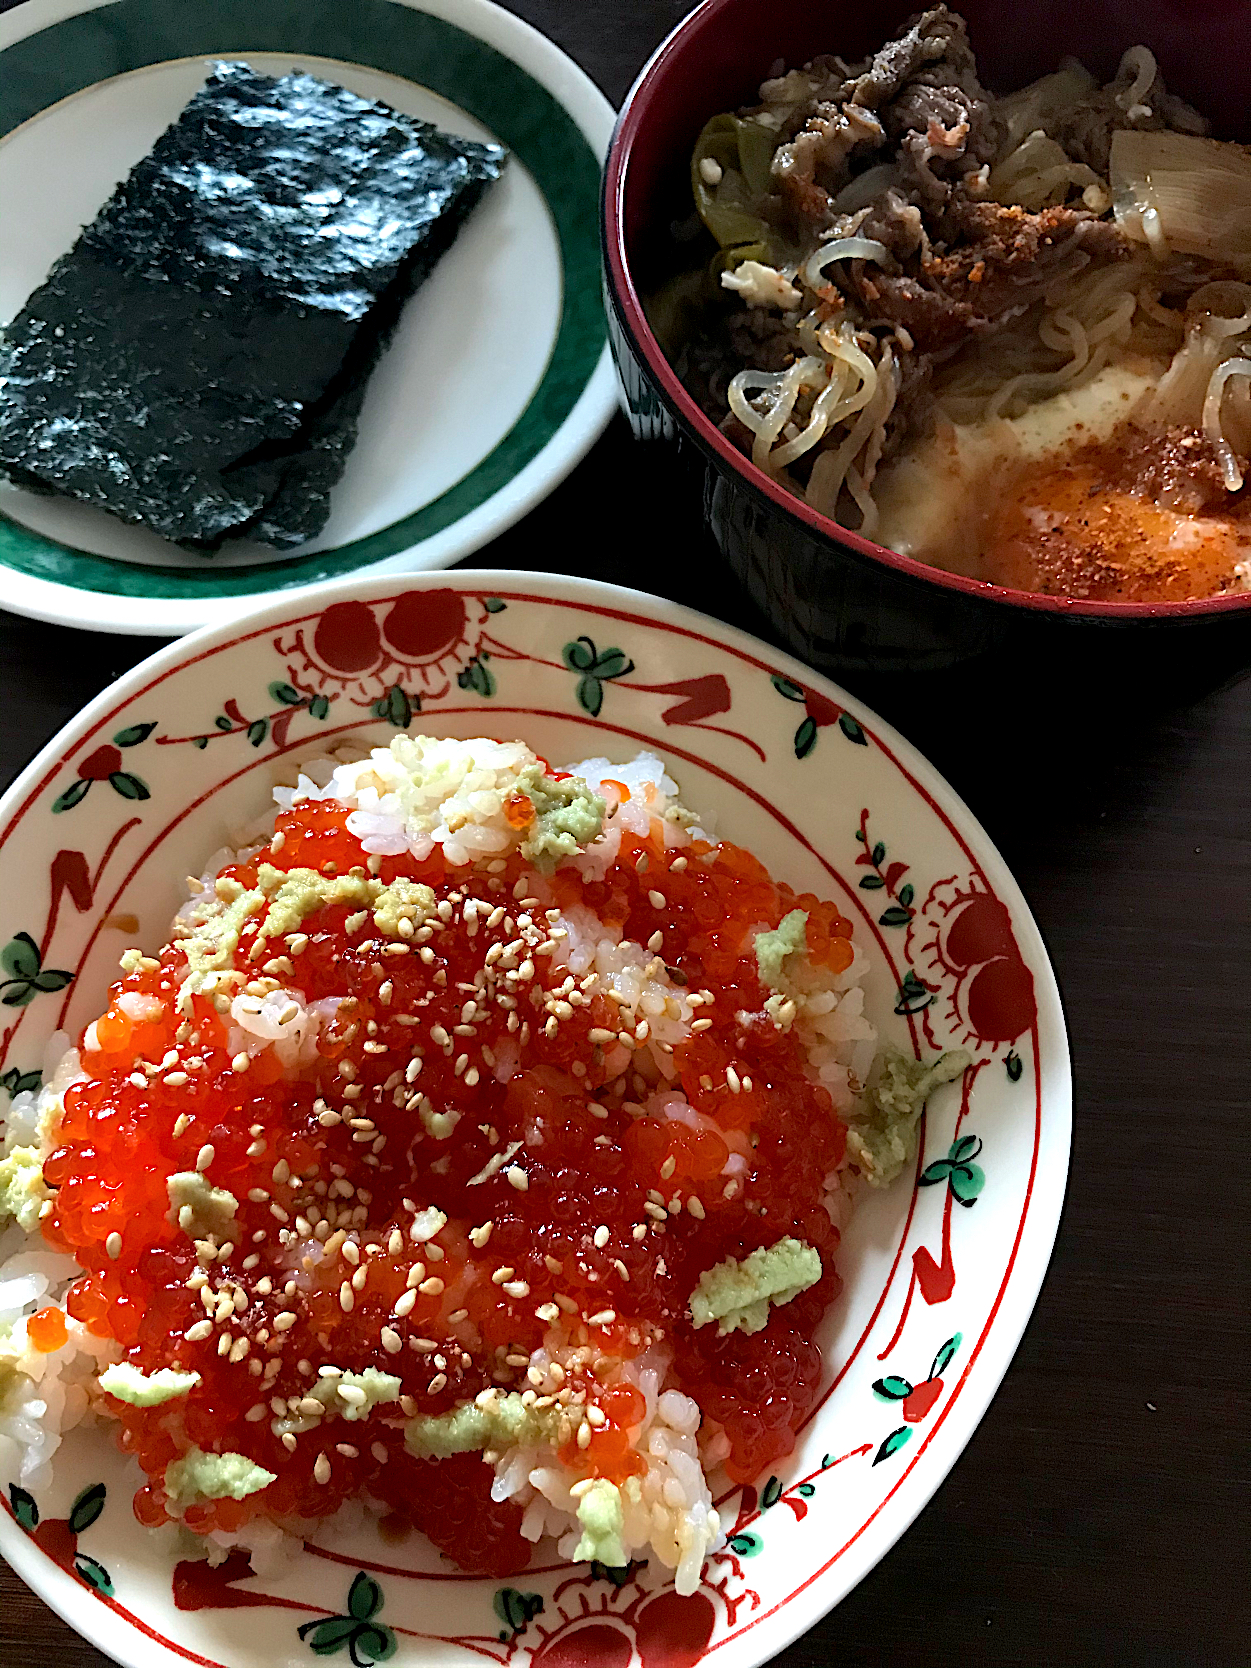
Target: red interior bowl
x=842, y=601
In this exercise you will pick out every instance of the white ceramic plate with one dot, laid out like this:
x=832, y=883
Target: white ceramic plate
x=941, y=1271
x=497, y=381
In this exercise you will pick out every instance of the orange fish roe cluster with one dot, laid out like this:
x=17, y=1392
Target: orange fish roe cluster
x=47, y=1330
x=462, y=1167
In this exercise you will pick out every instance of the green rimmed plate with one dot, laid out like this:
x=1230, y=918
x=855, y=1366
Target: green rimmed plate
x=498, y=379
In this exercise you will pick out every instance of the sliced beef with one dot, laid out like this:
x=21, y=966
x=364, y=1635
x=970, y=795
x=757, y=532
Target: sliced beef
x=998, y=263
x=1006, y=256
x=920, y=95
x=937, y=34
x=815, y=166
x=895, y=221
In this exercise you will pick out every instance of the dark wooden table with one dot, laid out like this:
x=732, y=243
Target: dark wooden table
x=1098, y=1516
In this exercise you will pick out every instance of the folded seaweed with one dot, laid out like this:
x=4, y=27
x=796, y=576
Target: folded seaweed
x=197, y=361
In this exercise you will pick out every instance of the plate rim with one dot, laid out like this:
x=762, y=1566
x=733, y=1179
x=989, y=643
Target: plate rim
x=1032, y=1258
x=64, y=602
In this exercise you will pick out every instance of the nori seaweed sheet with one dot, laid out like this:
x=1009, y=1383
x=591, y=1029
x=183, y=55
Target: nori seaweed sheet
x=197, y=362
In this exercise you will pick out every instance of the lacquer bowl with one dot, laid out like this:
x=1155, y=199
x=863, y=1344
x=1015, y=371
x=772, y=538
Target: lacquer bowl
x=941, y=1271
x=845, y=604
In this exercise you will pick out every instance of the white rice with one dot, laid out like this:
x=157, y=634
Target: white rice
x=418, y=794
x=41, y=1395
x=668, y=1509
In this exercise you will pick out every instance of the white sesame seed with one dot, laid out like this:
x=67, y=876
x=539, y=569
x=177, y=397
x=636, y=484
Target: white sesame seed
x=517, y=1177
x=584, y=1435
x=668, y=1167
x=432, y=1287
x=241, y=1062
x=602, y=1236
x=205, y=1156
x=516, y=1288
x=605, y=1317
x=733, y=1081
x=321, y=1469
x=656, y=899
x=479, y=1236
x=391, y=1340
x=284, y=1322
x=347, y=1298
x=596, y=1416
x=696, y=1207
x=197, y=1333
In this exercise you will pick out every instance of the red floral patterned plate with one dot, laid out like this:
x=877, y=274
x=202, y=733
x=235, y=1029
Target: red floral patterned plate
x=941, y=1271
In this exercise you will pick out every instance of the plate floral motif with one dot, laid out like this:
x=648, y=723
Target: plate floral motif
x=940, y=1276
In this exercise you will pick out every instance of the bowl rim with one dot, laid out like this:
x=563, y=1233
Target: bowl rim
x=649, y=89
x=1031, y=1258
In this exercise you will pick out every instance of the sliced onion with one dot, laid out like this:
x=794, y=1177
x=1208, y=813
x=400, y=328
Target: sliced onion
x=1177, y=191
x=865, y=188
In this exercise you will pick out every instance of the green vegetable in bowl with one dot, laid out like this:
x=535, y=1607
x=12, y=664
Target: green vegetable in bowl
x=739, y=153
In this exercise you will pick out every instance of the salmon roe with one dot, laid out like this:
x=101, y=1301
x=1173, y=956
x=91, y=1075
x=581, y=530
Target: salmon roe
x=46, y=1330
x=461, y=1067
